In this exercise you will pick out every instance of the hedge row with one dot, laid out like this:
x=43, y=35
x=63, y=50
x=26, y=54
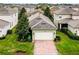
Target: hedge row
x=70, y=34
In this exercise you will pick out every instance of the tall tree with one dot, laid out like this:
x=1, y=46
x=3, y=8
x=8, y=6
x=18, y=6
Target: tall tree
x=21, y=12
x=23, y=26
x=48, y=14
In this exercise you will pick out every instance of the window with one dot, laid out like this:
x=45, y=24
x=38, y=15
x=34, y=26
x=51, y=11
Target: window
x=60, y=17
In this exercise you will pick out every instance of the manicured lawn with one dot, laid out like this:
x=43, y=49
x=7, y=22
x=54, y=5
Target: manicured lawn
x=66, y=45
x=9, y=45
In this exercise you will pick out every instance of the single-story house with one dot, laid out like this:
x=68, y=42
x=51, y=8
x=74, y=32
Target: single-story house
x=4, y=27
x=42, y=27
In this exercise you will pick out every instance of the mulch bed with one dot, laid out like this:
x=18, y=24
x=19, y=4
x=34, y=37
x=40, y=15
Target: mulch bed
x=20, y=53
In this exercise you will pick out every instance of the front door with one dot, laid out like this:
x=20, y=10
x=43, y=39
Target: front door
x=64, y=26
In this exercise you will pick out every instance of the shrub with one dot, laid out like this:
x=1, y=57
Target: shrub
x=57, y=39
x=9, y=32
x=22, y=39
x=1, y=38
x=29, y=37
x=70, y=34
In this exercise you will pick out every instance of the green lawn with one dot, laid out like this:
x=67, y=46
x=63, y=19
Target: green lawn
x=9, y=45
x=66, y=45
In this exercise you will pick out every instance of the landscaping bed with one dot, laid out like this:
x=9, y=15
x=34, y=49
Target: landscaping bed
x=10, y=45
x=66, y=45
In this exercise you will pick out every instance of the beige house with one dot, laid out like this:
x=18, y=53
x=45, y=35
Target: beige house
x=67, y=18
x=42, y=27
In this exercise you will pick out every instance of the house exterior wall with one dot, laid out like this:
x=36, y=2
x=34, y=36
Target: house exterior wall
x=35, y=31
x=77, y=30
x=58, y=18
x=30, y=10
x=13, y=19
x=4, y=30
x=75, y=9
x=75, y=17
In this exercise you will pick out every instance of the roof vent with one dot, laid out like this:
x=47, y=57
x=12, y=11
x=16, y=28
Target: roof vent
x=43, y=23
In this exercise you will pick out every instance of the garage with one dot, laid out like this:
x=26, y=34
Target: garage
x=42, y=28
x=44, y=36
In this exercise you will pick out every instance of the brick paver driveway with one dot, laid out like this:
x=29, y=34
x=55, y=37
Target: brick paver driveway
x=44, y=47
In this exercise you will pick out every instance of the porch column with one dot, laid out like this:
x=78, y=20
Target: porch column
x=32, y=36
x=60, y=26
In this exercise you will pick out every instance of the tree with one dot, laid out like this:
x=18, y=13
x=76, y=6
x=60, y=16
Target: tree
x=22, y=28
x=21, y=12
x=48, y=14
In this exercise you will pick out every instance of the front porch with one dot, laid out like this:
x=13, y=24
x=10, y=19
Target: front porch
x=62, y=26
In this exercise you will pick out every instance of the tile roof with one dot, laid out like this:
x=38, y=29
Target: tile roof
x=74, y=23
x=7, y=11
x=66, y=20
x=76, y=13
x=64, y=11
x=41, y=22
x=43, y=25
x=3, y=23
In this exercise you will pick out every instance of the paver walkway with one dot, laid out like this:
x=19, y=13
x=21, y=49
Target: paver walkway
x=44, y=48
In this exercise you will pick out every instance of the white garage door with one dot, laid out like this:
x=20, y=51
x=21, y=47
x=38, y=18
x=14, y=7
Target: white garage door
x=43, y=35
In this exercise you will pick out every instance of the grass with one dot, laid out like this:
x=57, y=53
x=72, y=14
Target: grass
x=10, y=45
x=66, y=45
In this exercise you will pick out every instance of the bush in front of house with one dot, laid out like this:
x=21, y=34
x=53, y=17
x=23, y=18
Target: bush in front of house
x=70, y=34
x=27, y=37
x=57, y=39
x=30, y=37
x=9, y=32
x=1, y=38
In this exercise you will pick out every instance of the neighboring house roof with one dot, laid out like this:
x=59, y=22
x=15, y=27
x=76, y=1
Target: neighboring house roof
x=7, y=11
x=75, y=6
x=41, y=22
x=3, y=23
x=30, y=5
x=36, y=11
x=74, y=23
x=75, y=13
x=64, y=11
x=66, y=20
x=53, y=9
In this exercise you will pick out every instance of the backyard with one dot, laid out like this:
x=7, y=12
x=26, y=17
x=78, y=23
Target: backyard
x=10, y=45
x=66, y=45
